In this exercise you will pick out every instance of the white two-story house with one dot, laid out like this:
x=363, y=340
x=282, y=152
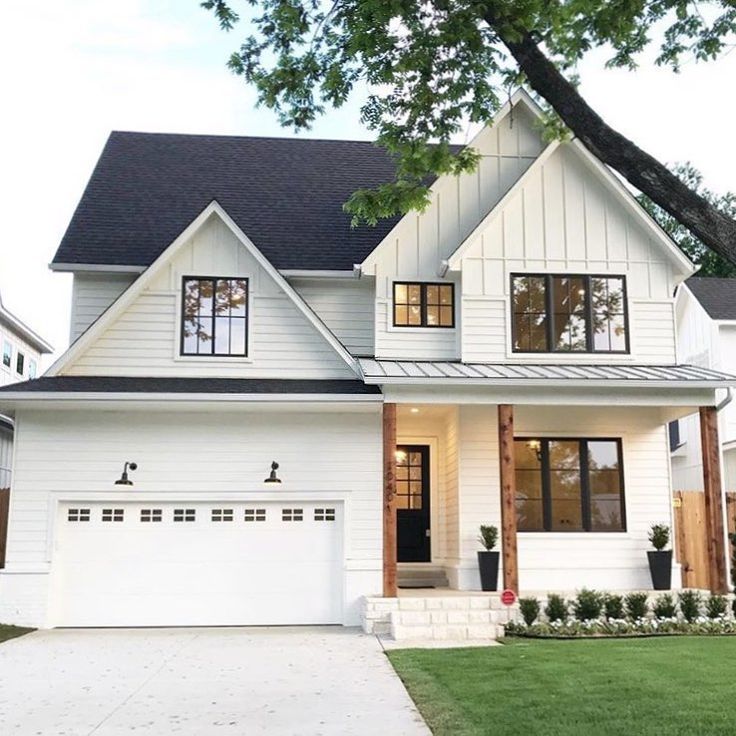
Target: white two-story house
x=309, y=406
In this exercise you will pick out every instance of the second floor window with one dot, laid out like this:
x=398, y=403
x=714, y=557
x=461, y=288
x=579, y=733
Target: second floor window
x=20, y=363
x=423, y=305
x=214, y=317
x=569, y=314
x=7, y=353
x=32, y=369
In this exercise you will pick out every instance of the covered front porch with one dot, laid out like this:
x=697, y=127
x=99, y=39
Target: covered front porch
x=572, y=476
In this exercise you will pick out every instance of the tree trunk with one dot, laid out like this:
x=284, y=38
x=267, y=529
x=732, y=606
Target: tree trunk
x=716, y=230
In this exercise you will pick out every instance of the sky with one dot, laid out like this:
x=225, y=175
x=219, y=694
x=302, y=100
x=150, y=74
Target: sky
x=73, y=70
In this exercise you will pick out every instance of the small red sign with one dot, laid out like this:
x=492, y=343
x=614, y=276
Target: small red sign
x=508, y=597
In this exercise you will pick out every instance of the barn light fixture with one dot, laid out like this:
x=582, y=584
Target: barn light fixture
x=123, y=480
x=536, y=447
x=272, y=477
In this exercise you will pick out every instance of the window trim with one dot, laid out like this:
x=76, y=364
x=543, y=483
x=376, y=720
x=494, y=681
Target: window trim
x=214, y=356
x=589, y=350
x=584, y=485
x=422, y=304
x=20, y=363
x=9, y=366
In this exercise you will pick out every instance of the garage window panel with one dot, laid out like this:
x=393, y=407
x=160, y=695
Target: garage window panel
x=324, y=514
x=222, y=514
x=78, y=515
x=185, y=514
x=151, y=515
x=255, y=515
x=113, y=514
x=292, y=514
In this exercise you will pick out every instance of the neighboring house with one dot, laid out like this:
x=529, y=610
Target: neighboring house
x=706, y=336
x=512, y=347
x=21, y=354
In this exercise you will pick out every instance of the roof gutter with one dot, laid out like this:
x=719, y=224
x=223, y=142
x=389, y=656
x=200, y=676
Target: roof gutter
x=95, y=268
x=543, y=382
x=726, y=401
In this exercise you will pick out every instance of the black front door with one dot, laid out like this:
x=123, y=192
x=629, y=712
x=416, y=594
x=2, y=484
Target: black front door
x=412, y=503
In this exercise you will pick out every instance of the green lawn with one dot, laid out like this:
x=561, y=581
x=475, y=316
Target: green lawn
x=662, y=687
x=10, y=632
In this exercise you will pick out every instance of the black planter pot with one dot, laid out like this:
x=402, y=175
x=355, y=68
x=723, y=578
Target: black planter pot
x=660, y=567
x=488, y=566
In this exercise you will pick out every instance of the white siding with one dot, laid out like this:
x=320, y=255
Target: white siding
x=9, y=374
x=92, y=294
x=144, y=340
x=76, y=455
x=563, y=220
x=415, y=248
x=345, y=306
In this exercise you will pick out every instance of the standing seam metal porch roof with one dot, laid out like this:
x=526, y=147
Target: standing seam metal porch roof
x=412, y=371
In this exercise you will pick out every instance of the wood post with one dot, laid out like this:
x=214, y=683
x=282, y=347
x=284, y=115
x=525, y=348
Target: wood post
x=508, y=497
x=713, y=497
x=389, y=501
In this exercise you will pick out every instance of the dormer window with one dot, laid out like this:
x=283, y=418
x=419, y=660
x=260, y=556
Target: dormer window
x=569, y=314
x=214, y=317
x=424, y=304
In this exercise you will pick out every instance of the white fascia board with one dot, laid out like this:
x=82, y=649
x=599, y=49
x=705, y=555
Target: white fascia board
x=95, y=268
x=136, y=288
x=60, y=396
x=299, y=273
x=519, y=97
x=453, y=262
x=606, y=176
x=510, y=383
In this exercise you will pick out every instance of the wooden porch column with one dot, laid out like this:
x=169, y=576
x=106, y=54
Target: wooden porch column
x=389, y=501
x=715, y=536
x=508, y=497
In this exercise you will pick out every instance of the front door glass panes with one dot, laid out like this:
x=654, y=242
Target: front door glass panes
x=409, y=469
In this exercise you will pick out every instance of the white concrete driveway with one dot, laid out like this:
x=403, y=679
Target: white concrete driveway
x=302, y=680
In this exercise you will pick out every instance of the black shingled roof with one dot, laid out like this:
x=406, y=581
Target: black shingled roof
x=129, y=384
x=285, y=194
x=717, y=295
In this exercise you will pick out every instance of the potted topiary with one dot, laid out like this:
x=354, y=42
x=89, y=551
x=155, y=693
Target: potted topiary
x=488, y=558
x=660, y=559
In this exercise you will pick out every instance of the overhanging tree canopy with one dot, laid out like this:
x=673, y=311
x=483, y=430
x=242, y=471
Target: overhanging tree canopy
x=436, y=65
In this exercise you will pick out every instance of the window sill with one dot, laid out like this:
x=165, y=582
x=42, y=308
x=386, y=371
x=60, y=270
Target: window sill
x=422, y=330
x=216, y=359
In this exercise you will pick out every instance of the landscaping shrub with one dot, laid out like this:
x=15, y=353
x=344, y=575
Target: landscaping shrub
x=588, y=605
x=636, y=606
x=556, y=608
x=488, y=536
x=664, y=607
x=529, y=608
x=716, y=606
x=613, y=605
x=690, y=603
x=659, y=536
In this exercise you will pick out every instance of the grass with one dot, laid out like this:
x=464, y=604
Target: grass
x=679, y=685
x=10, y=632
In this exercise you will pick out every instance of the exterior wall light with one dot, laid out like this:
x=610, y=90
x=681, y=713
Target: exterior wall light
x=123, y=480
x=272, y=477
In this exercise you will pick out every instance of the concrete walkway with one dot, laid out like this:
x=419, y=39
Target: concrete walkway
x=301, y=680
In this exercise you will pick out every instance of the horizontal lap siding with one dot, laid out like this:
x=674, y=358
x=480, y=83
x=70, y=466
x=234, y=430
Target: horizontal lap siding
x=91, y=296
x=69, y=453
x=653, y=331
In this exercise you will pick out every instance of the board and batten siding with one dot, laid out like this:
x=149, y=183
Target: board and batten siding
x=345, y=306
x=418, y=244
x=562, y=219
x=145, y=338
x=92, y=294
x=221, y=455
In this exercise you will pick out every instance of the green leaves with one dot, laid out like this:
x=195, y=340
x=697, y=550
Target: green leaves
x=433, y=67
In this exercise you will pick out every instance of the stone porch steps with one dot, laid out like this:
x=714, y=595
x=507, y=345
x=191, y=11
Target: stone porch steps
x=434, y=618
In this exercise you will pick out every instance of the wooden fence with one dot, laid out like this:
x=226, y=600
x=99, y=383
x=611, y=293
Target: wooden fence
x=4, y=508
x=690, y=531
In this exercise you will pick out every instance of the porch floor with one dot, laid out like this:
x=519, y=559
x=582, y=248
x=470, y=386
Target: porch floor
x=444, y=593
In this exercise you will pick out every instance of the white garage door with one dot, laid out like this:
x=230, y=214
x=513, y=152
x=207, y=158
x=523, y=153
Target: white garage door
x=195, y=564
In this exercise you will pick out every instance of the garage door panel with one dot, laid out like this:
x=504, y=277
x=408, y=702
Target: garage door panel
x=202, y=572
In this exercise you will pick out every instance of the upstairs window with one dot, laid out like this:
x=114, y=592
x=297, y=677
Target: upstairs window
x=424, y=305
x=215, y=317
x=569, y=485
x=7, y=353
x=20, y=363
x=569, y=314
x=32, y=369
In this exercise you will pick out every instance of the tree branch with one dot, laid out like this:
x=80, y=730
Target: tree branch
x=712, y=227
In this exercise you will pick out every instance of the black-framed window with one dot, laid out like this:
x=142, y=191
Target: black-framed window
x=418, y=304
x=214, y=317
x=7, y=353
x=569, y=485
x=568, y=313
x=20, y=363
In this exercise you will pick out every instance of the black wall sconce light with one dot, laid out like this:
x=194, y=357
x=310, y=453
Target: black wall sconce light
x=272, y=477
x=123, y=480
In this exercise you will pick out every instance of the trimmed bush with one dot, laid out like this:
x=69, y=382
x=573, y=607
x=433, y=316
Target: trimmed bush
x=659, y=536
x=556, y=608
x=613, y=605
x=636, y=606
x=488, y=536
x=716, y=606
x=588, y=605
x=690, y=604
x=664, y=607
x=529, y=608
